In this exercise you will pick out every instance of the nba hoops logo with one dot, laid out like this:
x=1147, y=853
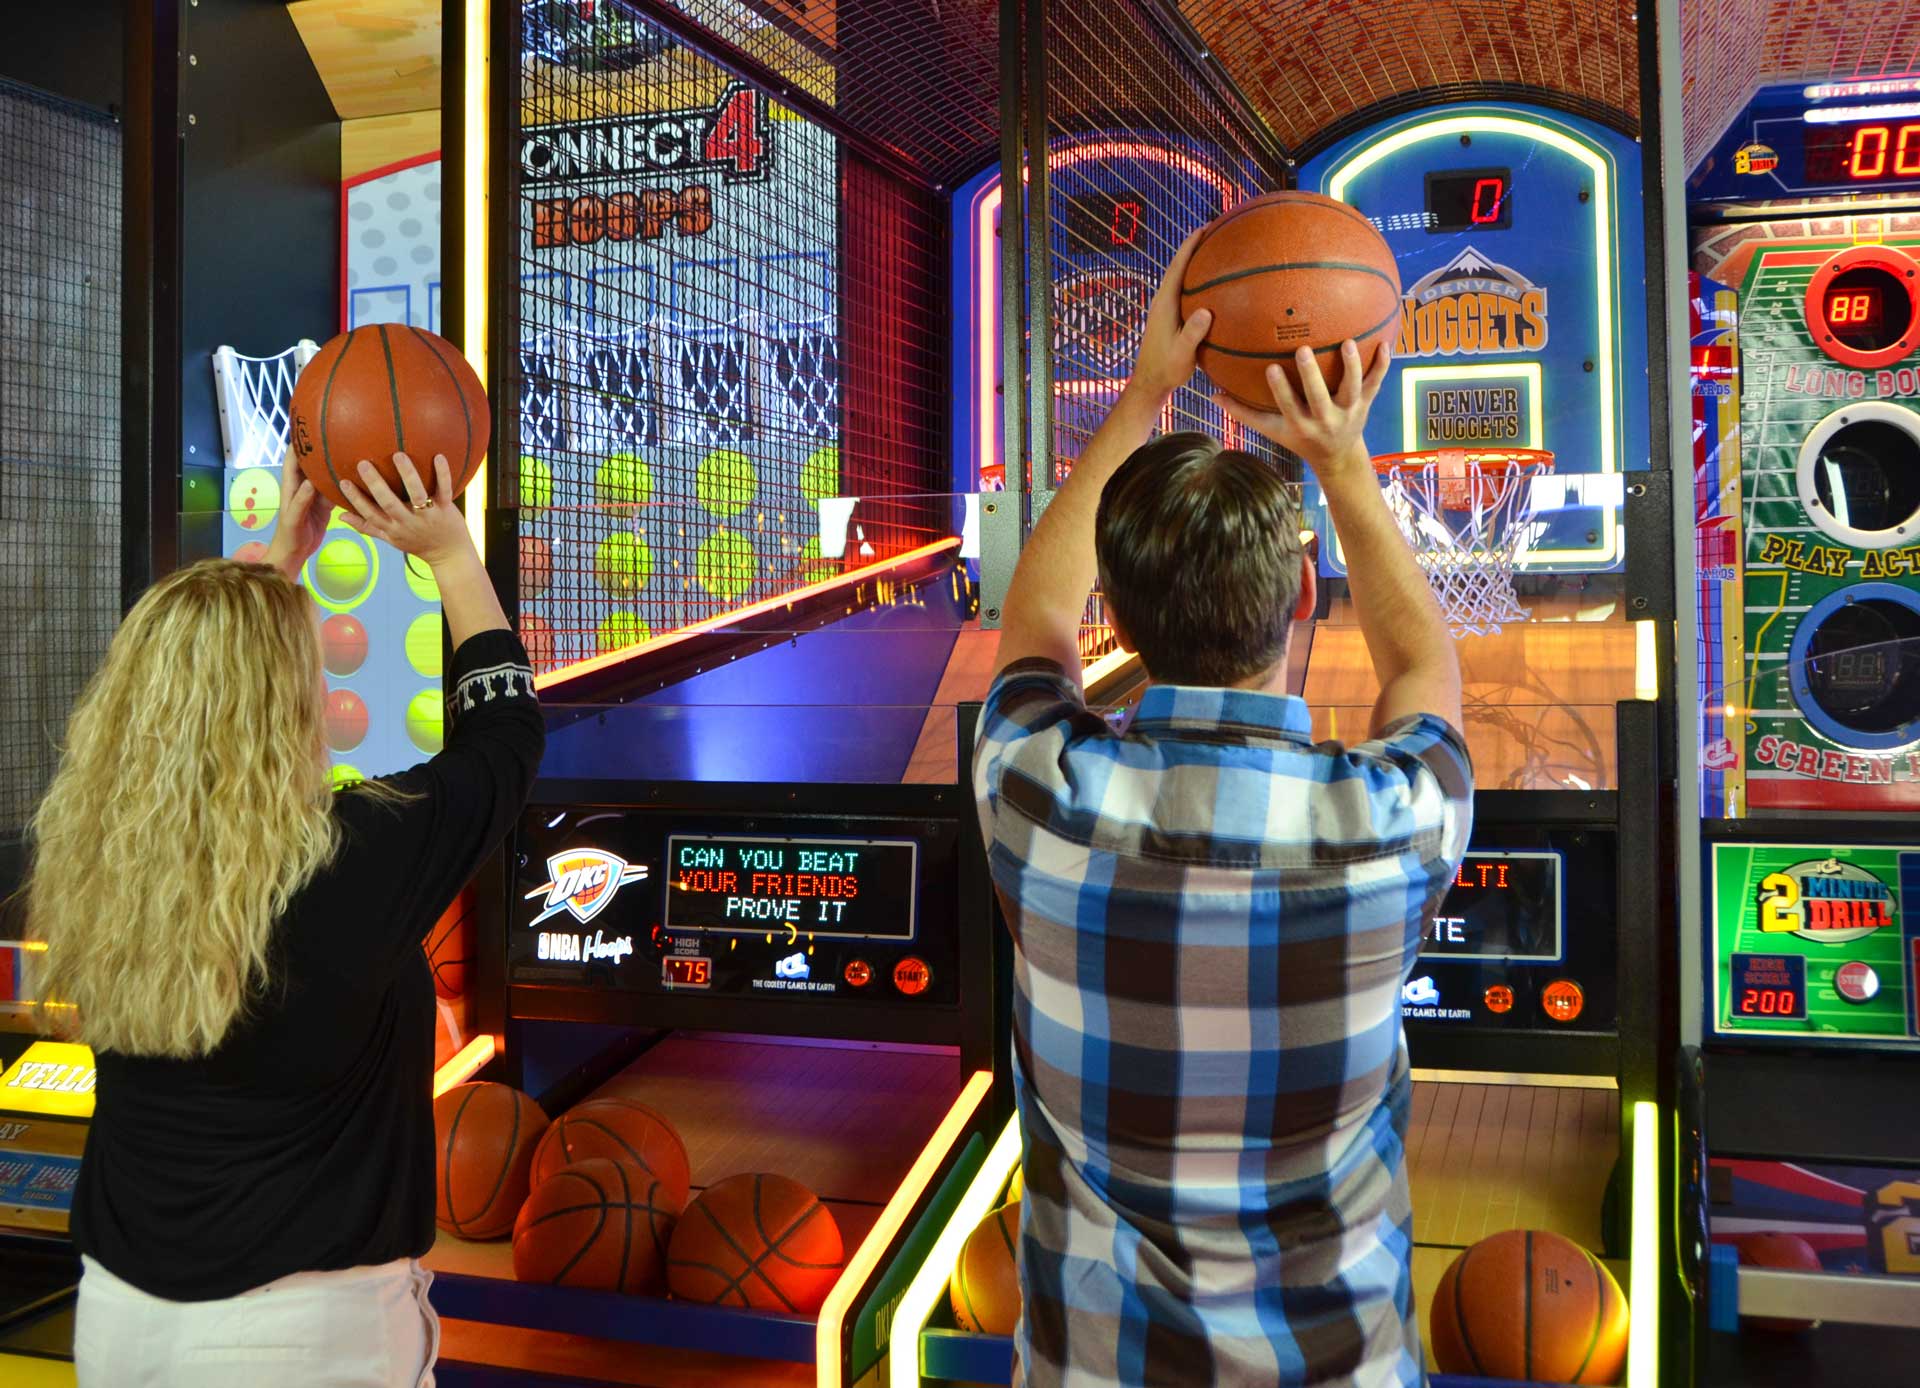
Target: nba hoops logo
x=582, y=881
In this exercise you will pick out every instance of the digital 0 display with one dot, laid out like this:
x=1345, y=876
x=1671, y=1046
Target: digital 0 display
x=862, y=888
x=1102, y=221
x=1470, y=199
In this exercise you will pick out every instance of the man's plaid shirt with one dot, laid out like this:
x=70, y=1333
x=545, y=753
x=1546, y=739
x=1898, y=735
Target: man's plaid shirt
x=1215, y=918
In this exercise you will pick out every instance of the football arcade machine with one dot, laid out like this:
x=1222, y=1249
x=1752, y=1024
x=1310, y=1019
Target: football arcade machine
x=1535, y=1015
x=749, y=892
x=1807, y=406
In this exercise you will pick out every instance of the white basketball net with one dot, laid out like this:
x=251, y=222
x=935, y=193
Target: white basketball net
x=256, y=397
x=1468, y=552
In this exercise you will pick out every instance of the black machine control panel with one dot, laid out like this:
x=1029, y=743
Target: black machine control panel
x=1525, y=938
x=823, y=909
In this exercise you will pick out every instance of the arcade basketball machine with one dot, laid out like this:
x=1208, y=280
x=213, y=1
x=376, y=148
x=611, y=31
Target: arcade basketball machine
x=704, y=254
x=1802, y=999
x=1515, y=197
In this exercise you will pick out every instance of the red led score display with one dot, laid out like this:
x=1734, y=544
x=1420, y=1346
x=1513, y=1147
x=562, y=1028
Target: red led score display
x=1862, y=303
x=861, y=888
x=1881, y=152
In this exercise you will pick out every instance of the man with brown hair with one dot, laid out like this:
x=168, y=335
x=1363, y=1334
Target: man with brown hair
x=1214, y=916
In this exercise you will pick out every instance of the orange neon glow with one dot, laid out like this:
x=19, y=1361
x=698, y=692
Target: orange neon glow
x=986, y=304
x=464, y=1064
x=779, y=600
x=835, y=1311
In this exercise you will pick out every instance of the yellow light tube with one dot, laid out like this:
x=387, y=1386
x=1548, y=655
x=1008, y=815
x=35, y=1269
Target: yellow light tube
x=1643, y=1248
x=1646, y=665
x=910, y=1317
x=835, y=1311
x=473, y=234
x=464, y=1064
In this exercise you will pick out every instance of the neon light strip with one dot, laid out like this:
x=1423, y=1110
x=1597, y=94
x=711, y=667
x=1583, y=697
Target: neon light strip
x=1643, y=1271
x=837, y=1310
x=986, y=270
x=1600, y=167
x=1842, y=115
x=916, y=1304
x=787, y=599
x=1105, y=666
x=473, y=236
x=1646, y=669
x=464, y=1064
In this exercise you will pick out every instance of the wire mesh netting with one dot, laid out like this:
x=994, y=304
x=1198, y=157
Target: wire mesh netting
x=59, y=425
x=1308, y=68
x=1141, y=153
x=726, y=317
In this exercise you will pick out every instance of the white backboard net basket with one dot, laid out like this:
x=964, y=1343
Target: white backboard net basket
x=256, y=397
x=1468, y=516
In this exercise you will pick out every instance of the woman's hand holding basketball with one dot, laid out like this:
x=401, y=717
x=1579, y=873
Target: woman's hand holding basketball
x=1324, y=427
x=301, y=524
x=1169, y=349
x=424, y=523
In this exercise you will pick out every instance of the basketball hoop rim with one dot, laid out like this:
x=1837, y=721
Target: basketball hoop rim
x=1489, y=461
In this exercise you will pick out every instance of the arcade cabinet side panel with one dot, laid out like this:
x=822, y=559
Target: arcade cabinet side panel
x=1715, y=370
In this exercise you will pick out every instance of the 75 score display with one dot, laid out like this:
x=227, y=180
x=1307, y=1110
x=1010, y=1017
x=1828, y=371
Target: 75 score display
x=856, y=888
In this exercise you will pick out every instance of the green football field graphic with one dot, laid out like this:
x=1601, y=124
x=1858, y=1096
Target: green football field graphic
x=1738, y=871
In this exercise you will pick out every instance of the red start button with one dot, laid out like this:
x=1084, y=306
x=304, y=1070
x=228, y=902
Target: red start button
x=1563, y=1000
x=859, y=973
x=911, y=976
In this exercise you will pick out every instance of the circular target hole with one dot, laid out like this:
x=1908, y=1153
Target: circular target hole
x=1867, y=476
x=1867, y=308
x=1863, y=665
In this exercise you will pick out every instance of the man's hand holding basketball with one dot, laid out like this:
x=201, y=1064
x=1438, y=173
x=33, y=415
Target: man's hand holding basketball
x=1169, y=349
x=1326, y=428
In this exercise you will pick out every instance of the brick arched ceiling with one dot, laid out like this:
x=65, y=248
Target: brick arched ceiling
x=1309, y=67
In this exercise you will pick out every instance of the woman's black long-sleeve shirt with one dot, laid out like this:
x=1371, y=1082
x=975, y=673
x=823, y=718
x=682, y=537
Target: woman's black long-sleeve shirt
x=305, y=1141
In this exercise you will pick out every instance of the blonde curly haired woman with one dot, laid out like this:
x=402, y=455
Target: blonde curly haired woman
x=242, y=949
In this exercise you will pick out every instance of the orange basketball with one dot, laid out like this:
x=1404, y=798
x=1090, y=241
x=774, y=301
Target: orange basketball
x=1529, y=1305
x=756, y=1240
x=1778, y=1251
x=448, y=945
x=597, y=1223
x=381, y=390
x=620, y=1130
x=1286, y=271
x=485, y=1135
x=985, y=1290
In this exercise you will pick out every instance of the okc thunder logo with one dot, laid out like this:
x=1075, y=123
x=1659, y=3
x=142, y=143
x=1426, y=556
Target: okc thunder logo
x=583, y=881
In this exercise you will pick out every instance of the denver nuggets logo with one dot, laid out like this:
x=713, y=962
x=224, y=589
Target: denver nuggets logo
x=582, y=881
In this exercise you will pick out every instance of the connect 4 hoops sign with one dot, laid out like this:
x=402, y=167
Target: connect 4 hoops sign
x=733, y=137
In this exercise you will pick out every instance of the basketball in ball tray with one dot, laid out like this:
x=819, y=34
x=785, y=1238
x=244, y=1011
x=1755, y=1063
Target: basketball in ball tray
x=619, y=1129
x=756, y=1240
x=1529, y=1305
x=385, y=389
x=985, y=1289
x=484, y=1136
x=1286, y=271
x=598, y=1223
